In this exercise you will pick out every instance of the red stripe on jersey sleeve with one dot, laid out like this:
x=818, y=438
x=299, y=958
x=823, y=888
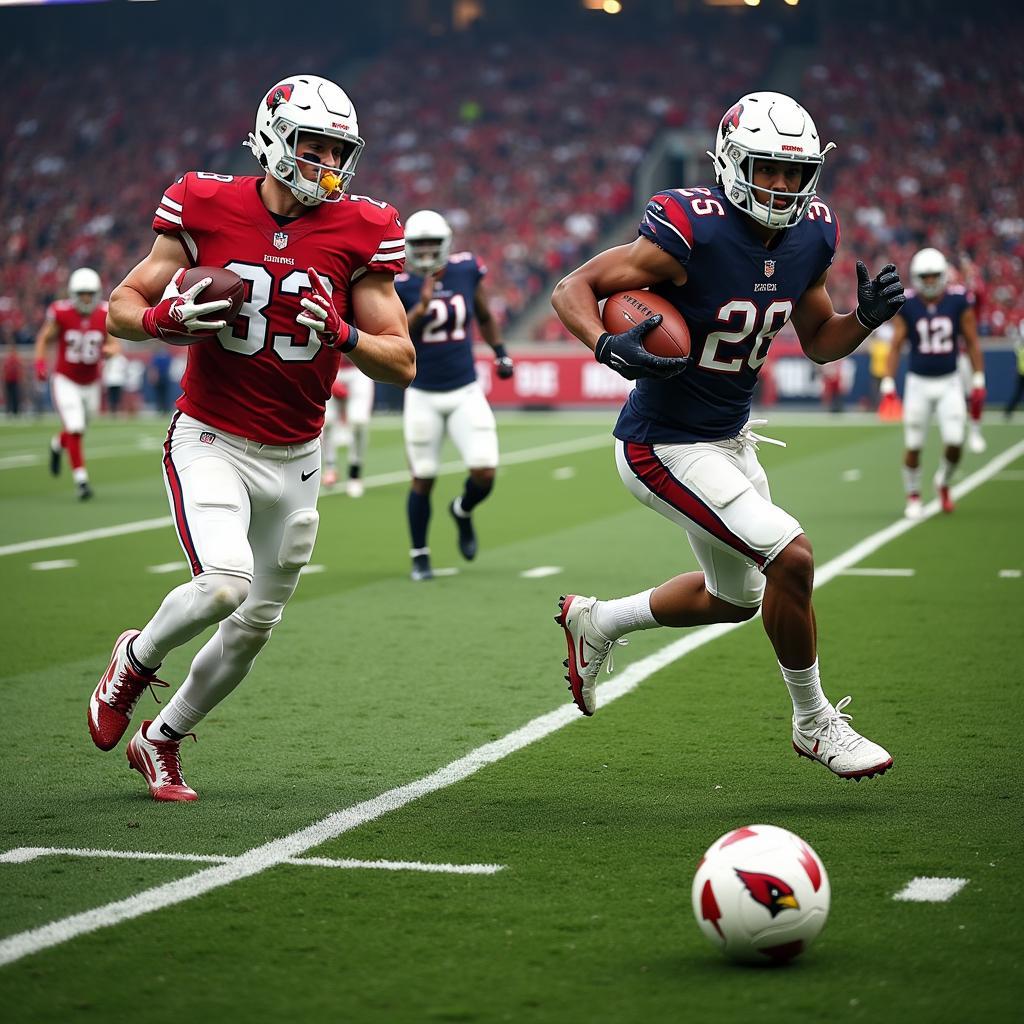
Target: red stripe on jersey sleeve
x=675, y=215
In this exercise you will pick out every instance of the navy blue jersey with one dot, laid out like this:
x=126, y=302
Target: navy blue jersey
x=444, y=337
x=737, y=296
x=933, y=329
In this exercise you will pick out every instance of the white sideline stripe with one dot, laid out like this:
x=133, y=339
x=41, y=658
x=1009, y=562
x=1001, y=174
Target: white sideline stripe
x=878, y=572
x=277, y=851
x=851, y=476
x=57, y=563
x=930, y=890
x=24, y=854
x=1010, y=574
x=535, y=454
x=541, y=571
x=166, y=567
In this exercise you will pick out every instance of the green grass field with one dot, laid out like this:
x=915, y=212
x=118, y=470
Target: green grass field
x=373, y=683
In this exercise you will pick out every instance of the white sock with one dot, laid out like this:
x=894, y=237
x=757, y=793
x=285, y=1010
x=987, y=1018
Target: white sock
x=80, y=475
x=457, y=508
x=945, y=473
x=804, y=685
x=912, y=480
x=622, y=615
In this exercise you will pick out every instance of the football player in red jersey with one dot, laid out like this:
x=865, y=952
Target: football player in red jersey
x=79, y=326
x=737, y=260
x=242, y=455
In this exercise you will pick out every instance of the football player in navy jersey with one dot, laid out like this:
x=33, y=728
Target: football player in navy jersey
x=934, y=318
x=443, y=293
x=738, y=260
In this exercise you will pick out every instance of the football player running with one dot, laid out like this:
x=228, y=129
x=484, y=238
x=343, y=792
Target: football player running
x=351, y=404
x=79, y=326
x=738, y=260
x=934, y=318
x=443, y=293
x=242, y=456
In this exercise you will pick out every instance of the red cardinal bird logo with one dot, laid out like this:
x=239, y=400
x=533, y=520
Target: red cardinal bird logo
x=771, y=892
x=731, y=121
x=279, y=94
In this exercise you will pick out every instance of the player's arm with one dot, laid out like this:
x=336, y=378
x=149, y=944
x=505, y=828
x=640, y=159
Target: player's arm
x=637, y=265
x=504, y=367
x=887, y=385
x=969, y=329
x=826, y=335
x=417, y=314
x=383, y=350
x=46, y=336
x=143, y=287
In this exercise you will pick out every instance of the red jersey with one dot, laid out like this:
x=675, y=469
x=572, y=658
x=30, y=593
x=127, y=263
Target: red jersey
x=80, y=339
x=265, y=377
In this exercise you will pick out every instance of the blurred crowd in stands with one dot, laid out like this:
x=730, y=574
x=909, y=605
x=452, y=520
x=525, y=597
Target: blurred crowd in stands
x=529, y=146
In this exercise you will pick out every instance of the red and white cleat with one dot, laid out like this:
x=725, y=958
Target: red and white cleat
x=116, y=694
x=588, y=650
x=945, y=500
x=831, y=740
x=159, y=761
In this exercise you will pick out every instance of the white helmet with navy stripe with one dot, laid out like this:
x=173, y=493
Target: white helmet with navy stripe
x=301, y=104
x=768, y=126
x=428, y=242
x=932, y=264
x=84, y=282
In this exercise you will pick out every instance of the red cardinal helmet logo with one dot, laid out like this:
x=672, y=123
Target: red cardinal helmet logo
x=772, y=893
x=279, y=94
x=731, y=121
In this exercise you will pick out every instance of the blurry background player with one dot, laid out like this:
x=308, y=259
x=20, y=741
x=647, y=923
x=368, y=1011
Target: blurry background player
x=347, y=421
x=79, y=326
x=242, y=457
x=934, y=318
x=443, y=293
x=684, y=446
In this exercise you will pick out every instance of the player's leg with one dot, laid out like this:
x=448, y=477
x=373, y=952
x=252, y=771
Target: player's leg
x=1014, y=401
x=475, y=433
x=211, y=507
x=69, y=399
x=360, y=409
x=423, y=428
x=915, y=426
x=329, y=442
x=951, y=412
x=282, y=539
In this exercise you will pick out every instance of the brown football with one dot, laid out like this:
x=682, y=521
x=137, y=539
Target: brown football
x=226, y=284
x=624, y=310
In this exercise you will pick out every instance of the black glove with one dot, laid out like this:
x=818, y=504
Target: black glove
x=503, y=365
x=626, y=355
x=878, y=300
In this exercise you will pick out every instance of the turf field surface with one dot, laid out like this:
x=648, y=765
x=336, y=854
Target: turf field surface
x=373, y=683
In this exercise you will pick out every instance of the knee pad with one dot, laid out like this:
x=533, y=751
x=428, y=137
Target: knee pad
x=219, y=594
x=298, y=538
x=243, y=639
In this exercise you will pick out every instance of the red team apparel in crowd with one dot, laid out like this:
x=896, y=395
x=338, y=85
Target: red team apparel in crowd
x=264, y=377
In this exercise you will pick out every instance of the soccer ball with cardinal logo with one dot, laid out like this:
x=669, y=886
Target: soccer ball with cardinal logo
x=761, y=894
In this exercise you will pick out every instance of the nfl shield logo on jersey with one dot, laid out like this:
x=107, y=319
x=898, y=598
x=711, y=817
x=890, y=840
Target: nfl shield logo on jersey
x=280, y=239
x=769, y=267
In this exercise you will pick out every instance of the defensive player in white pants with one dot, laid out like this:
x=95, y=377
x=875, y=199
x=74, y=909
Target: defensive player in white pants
x=350, y=407
x=443, y=293
x=933, y=320
x=737, y=260
x=242, y=456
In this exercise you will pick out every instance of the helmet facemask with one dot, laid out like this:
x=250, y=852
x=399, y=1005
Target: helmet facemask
x=741, y=190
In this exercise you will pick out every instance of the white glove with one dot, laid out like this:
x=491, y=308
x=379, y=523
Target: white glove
x=887, y=387
x=178, y=313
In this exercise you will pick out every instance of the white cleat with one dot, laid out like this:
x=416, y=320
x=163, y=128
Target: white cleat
x=976, y=443
x=914, y=509
x=589, y=650
x=831, y=740
x=354, y=488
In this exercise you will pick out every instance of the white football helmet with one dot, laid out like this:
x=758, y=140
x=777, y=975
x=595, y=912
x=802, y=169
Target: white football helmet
x=768, y=126
x=428, y=242
x=306, y=103
x=928, y=263
x=84, y=288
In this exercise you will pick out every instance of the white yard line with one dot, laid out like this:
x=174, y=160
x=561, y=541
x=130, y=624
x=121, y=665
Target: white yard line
x=24, y=854
x=535, y=454
x=278, y=851
x=541, y=571
x=930, y=890
x=878, y=572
